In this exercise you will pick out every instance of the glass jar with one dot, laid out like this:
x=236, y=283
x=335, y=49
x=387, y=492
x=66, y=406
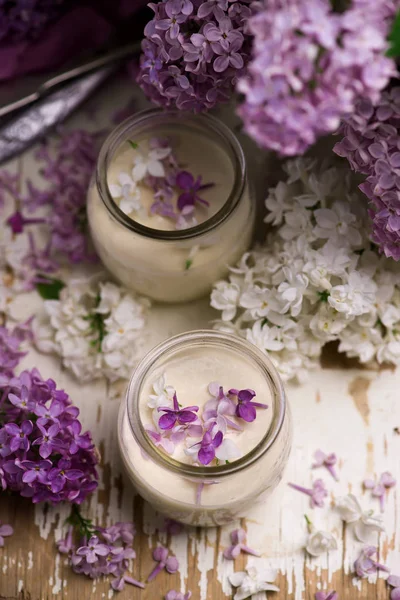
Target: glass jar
x=204, y=495
x=178, y=265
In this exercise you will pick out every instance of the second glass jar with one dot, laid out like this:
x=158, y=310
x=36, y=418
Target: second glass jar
x=177, y=265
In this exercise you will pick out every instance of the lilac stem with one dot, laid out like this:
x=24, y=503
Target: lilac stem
x=134, y=582
x=382, y=502
x=332, y=471
x=381, y=567
x=156, y=571
x=233, y=425
x=299, y=488
x=200, y=488
x=259, y=405
x=250, y=551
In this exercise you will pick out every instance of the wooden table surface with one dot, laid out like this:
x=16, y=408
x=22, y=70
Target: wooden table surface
x=341, y=409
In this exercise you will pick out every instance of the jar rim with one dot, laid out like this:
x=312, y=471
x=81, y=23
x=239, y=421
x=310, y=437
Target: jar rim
x=205, y=337
x=140, y=118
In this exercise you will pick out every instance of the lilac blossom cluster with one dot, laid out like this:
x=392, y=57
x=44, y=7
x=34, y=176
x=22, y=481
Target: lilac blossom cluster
x=43, y=453
x=63, y=201
x=310, y=65
x=371, y=144
x=194, y=52
x=175, y=424
x=23, y=21
x=100, y=551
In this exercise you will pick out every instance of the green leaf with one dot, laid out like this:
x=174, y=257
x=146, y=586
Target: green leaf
x=394, y=38
x=323, y=296
x=134, y=145
x=188, y=264
x=51, y=289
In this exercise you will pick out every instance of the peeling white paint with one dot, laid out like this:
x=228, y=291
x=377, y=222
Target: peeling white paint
x=276, y=528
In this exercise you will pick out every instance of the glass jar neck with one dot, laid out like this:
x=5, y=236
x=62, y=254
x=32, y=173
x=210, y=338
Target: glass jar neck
x=205, y=338
x=148, y=121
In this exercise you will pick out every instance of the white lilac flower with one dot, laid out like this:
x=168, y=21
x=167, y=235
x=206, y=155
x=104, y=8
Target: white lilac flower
x=366, y=524
x=319, y=542
x=150, y=163
x=95, y=327
x=127, y=191
x=163, y=394
x=316, y=278
x=252, y=583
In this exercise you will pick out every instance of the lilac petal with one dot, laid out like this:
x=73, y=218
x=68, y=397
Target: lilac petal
x=246, y=412
x=393, y=580
x=206, y=455
x=236, y=60
x=160, y=554
x=29, y=476
x=102, y=549
x=6, y=530
x=217, y=441
x=73, y=474
x=221, y=63
x=369, y=484
x=387, y=480
x=395, y=594
x=186, y=416
x=186, y=199
x=184, y=180
x=167, y=421
x=246, y=395
x=172, y=564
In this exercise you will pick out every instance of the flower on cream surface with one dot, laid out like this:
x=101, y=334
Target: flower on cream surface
x=378, y=489
x=366, y=564
x=163, y=394
x=366, y=524
x=95, y=327
x=127, y=191
x=150, y=163
x=252, y=583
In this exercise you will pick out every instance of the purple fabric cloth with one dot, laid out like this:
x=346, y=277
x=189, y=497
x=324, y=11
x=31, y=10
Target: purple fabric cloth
x=86, y=26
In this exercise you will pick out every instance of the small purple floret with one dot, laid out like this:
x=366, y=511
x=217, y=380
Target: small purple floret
x=238, y=537
x=366, y=564
x=246, y=408
x=169, y=563
x=326, y=460
x=317, y=493
x=183, y=416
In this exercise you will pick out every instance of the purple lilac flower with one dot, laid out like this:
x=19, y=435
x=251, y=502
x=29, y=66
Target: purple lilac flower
x=246, y=408
x=194, y=51
x=378, y=489
x=366, y=565
x=174, y=595
x=108, y=551
x=67, y=176
x=219, y=409
x=11, y=341
x=190, y=186
x=206, y=448
x=182, y=416
x=172, y=527
x=326, y=596
x=24, y=21
x=309, y=67
x=317, y=493
x=169, y=563
x=36, y=459
x=394, y=581
x=17, y=222
x=238, y=538
x=371, y=145
x=65, y=545
x=160, y=440
x=326, y=460
x=5, y=531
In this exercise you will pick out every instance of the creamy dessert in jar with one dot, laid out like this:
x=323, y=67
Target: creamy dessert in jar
x=205, y=431
x=169, y=206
